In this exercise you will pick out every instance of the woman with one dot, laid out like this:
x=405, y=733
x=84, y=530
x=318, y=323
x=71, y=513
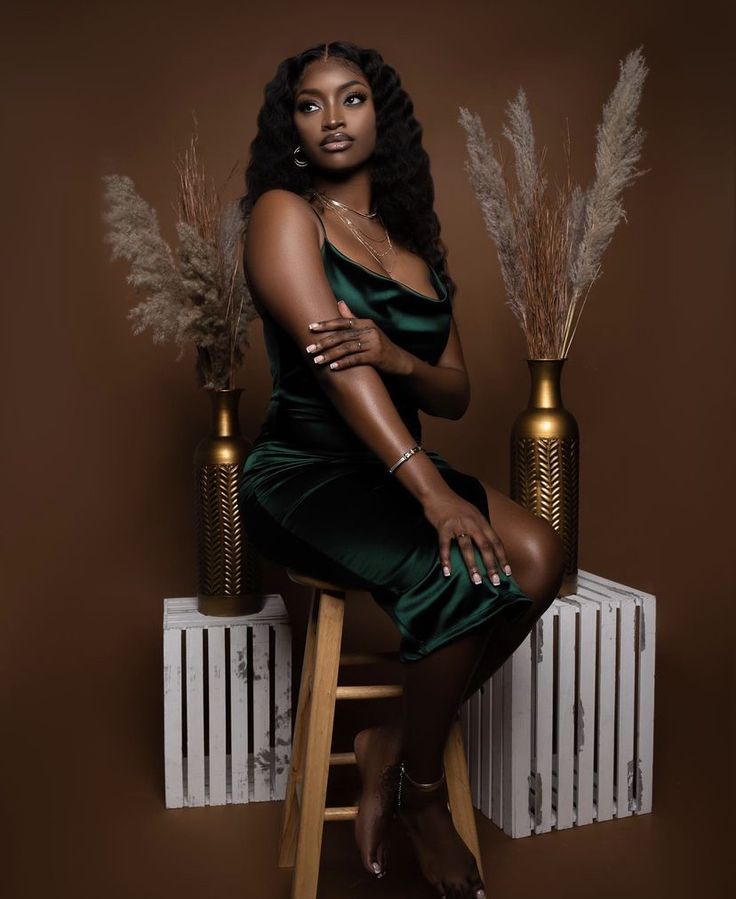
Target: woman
x=339, y=203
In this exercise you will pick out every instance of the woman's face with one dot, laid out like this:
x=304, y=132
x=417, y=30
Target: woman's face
x=334, y=97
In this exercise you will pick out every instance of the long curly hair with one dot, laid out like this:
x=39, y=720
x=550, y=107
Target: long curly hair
x=401, y=184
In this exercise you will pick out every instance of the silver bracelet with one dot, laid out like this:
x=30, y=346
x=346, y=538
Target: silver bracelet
x=404, y=456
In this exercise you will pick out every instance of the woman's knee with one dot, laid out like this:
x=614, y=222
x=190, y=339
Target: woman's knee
x=534, y=547
x=545, y=558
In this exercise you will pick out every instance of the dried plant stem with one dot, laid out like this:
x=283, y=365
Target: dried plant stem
x=550, y=247
x=192, y=299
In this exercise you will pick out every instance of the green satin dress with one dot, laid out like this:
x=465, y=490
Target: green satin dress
x=313, y=496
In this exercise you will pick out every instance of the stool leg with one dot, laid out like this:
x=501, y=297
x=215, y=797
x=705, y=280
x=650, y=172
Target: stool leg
x=290, y=814
x=319, y=740
x=458, y=788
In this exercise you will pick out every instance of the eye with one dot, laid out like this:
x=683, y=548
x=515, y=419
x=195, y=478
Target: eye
x=303, y=106
x=359, y=94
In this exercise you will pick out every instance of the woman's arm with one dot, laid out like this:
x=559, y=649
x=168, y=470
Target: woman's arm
x=285, y=266
x=442, y=389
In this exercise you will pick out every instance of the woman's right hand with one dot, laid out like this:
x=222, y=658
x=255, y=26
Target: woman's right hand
x=451, y=515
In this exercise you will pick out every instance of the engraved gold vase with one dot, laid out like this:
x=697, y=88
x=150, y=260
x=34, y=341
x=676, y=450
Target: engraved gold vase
x=229, y=569
x=545, y=461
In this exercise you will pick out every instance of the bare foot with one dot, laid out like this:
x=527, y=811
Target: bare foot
x=445, y=860
x=377, y=750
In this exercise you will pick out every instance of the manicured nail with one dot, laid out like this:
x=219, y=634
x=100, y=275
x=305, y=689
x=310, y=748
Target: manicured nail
x=333, y=364
x=376, y=867
x=496, y=579
x=477, y=579
x=312, y=347
x=481, y=894
x=313, y=324
x=319, y=358
x=507, y=569
x=445, y=571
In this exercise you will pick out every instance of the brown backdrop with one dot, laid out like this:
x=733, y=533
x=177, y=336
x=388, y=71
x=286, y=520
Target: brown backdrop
x=100, y=426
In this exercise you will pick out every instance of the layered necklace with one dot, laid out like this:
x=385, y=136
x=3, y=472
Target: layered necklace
x=339, y=209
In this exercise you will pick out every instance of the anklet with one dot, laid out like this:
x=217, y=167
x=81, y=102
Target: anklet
x=426, y=787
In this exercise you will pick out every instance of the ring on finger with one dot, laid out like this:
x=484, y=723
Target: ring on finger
x=460, y=535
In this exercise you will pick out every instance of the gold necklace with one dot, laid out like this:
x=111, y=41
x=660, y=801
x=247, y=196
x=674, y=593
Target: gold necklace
x=329, y=203
x=368, y=215
x=377, y=256
x=369, y=236
x=334, y=205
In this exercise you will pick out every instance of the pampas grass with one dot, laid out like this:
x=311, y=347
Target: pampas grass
x=550, y=247
x=198, y=295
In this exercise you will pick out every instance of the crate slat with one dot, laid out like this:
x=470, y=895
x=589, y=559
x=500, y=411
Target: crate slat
x=195, y=717
x=543, y=657
x=565, y=755
x=625, y=764
x=645, y=718
x=217, y=718
x=282, y=710
x=517, y=740
x=173, y=758
x=586, y=712
x=262, y=756
x=240, y=779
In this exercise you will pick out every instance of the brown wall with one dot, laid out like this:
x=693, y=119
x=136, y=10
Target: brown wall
x=100, y=425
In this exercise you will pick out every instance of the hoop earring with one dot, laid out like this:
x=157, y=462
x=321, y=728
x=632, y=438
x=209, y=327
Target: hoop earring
x=300, y=162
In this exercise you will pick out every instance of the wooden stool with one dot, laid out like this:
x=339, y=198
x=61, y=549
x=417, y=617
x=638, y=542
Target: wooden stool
x=304, y=813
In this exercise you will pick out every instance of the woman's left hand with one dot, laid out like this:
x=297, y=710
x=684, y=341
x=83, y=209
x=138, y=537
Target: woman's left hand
x=355, y=341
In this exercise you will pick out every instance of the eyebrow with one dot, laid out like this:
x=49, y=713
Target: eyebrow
x=313, y=90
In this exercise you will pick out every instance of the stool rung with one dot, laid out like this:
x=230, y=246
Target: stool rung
x=341, y=813
x=342, y=758
x=367, y=658
x=369, y=691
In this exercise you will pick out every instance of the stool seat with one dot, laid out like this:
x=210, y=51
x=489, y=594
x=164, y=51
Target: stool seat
x=309, y=581
x=305, y=810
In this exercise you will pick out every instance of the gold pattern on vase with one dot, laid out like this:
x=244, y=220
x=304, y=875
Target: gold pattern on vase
x=229, y=567
x=545, y=461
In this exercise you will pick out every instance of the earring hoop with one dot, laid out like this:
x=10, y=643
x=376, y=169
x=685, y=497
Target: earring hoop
x=300, y=162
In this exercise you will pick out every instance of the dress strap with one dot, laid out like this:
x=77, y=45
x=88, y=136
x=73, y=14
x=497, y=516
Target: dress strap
x=324, y=230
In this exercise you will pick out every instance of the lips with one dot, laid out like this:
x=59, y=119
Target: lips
x=338, y=137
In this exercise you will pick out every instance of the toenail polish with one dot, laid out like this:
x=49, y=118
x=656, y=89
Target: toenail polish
x=480, y=894
x=376, y=867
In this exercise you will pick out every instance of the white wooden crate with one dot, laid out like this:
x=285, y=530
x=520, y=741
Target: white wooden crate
x=227, y=722
x=562, y=734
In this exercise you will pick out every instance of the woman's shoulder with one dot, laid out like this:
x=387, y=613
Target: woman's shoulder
x=283, y=209
x=277, y=201
x=281, y=225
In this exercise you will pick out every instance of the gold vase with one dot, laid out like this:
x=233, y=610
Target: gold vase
x=229, y=568
x=545, y=461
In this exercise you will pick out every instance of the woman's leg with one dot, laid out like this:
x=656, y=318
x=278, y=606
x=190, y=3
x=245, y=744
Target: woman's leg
x=433, y=688
x=436, y=686
x=536, y=555
x=430, y=695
